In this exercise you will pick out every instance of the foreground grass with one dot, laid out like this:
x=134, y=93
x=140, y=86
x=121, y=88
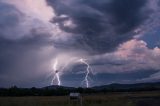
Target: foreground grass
x=109, y=99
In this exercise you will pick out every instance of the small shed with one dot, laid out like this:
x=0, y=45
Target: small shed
x=75, y=97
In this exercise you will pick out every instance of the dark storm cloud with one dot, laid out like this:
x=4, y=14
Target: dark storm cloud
x=13, y=50
x=158, y=2
x=152, y=38
x=24, y=49
x=9, y=15
x=73, y=78
x=9, y=18
x=22, y=60
x=99, y=26
x=102, y=25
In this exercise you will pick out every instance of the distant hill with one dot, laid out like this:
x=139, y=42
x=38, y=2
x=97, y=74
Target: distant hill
x=116, y=86
x=55, y=87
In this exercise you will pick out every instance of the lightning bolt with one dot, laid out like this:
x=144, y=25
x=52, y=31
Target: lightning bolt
x=56, y=74
x=88, y=70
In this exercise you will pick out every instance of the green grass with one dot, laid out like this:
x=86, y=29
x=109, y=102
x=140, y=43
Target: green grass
x=109, y=99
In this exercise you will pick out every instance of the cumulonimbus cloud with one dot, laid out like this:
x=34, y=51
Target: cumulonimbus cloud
x=131, y=56
x=39, y=30
x=100, y=26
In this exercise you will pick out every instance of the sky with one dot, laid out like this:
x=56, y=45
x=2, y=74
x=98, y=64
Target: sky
x=119, y=39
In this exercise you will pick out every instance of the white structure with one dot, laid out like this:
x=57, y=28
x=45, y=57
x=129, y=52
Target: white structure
x=75, y=97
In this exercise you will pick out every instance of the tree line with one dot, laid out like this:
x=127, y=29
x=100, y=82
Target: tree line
x=61, y=91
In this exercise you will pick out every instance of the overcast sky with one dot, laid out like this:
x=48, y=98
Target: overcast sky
x=119, y=39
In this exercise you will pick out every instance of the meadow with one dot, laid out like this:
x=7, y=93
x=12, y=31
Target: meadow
x=151, y=98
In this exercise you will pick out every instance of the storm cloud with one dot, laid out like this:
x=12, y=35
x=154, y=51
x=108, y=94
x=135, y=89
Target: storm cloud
x=100, y=26
x=114, y=36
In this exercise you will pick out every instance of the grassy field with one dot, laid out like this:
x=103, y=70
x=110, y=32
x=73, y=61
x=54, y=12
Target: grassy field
x=109, y=99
